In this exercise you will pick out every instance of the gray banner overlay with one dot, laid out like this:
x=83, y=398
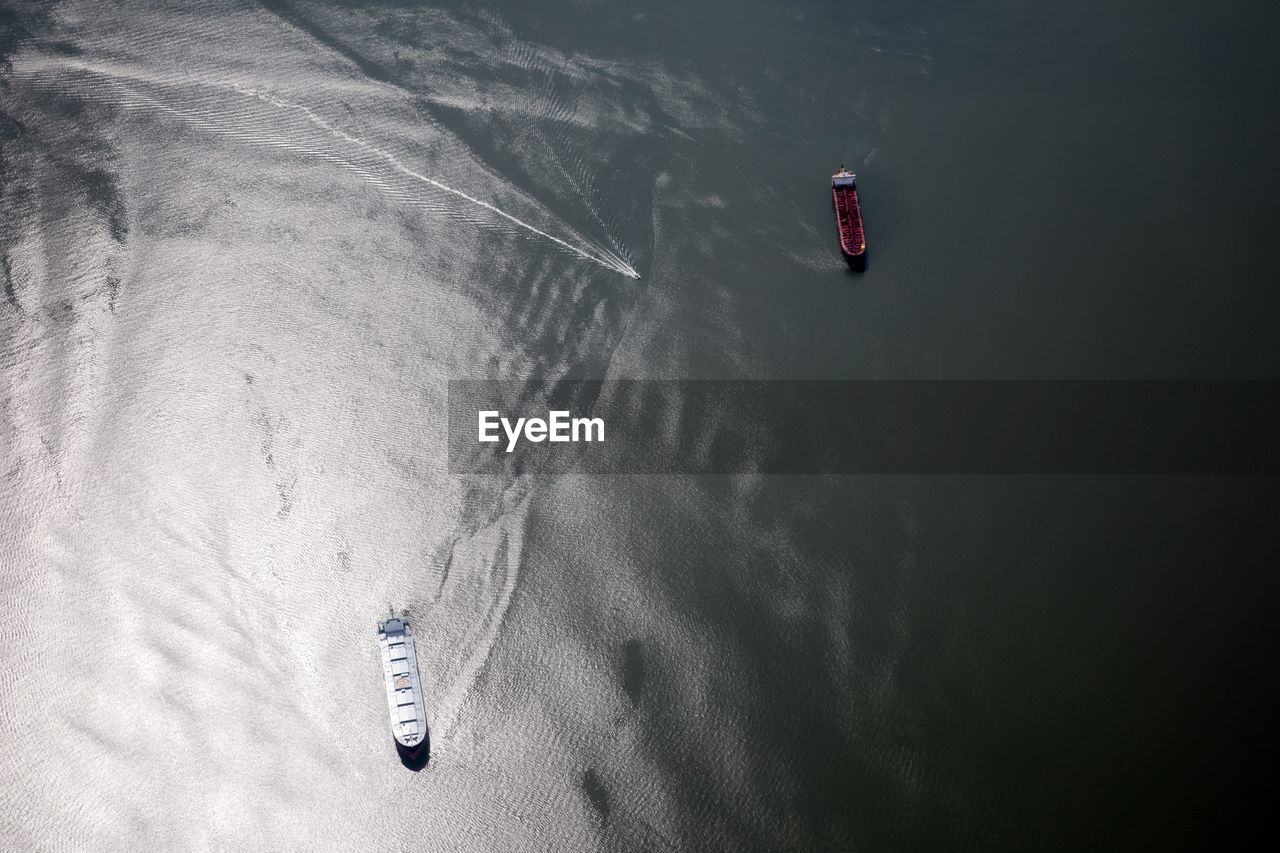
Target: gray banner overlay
x=874, y=427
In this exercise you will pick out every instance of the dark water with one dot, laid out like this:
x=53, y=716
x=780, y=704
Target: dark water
x=246, y=246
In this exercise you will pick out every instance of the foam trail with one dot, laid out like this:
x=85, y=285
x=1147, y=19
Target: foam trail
x=602, y=256
x=607, y=259
x=449, y=705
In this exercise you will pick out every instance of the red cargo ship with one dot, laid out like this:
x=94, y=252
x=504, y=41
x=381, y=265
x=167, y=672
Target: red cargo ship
x=853, y=243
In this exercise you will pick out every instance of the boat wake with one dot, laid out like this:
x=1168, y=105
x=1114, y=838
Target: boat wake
x=486, y=572
x=368, y=160
x=605, y=258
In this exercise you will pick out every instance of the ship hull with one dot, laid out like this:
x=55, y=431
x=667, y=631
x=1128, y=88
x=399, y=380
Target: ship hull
x=853, y=241
x=411, y=754
x=405, y=700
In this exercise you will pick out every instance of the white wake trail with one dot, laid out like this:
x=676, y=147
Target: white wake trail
x=609, y=260
x=604, y=257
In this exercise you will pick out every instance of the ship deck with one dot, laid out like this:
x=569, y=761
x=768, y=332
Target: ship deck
x=404, y=686
x=849, y=219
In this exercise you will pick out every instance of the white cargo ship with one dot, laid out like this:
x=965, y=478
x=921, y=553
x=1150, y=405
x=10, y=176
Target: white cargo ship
x=404, y=687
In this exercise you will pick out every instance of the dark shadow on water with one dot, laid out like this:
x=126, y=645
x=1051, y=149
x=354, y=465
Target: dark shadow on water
x=596, y=793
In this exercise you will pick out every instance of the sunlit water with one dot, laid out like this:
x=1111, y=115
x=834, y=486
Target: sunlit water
x=245, y=247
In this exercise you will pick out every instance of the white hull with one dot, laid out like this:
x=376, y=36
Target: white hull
x=404, y=687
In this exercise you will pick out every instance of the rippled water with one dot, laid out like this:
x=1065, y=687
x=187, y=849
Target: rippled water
x=246, y=246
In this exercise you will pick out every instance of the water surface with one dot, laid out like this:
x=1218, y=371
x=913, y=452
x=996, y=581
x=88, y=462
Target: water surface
x=246, y=246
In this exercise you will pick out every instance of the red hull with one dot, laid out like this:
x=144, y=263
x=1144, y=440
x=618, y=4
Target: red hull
x=853, y=243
